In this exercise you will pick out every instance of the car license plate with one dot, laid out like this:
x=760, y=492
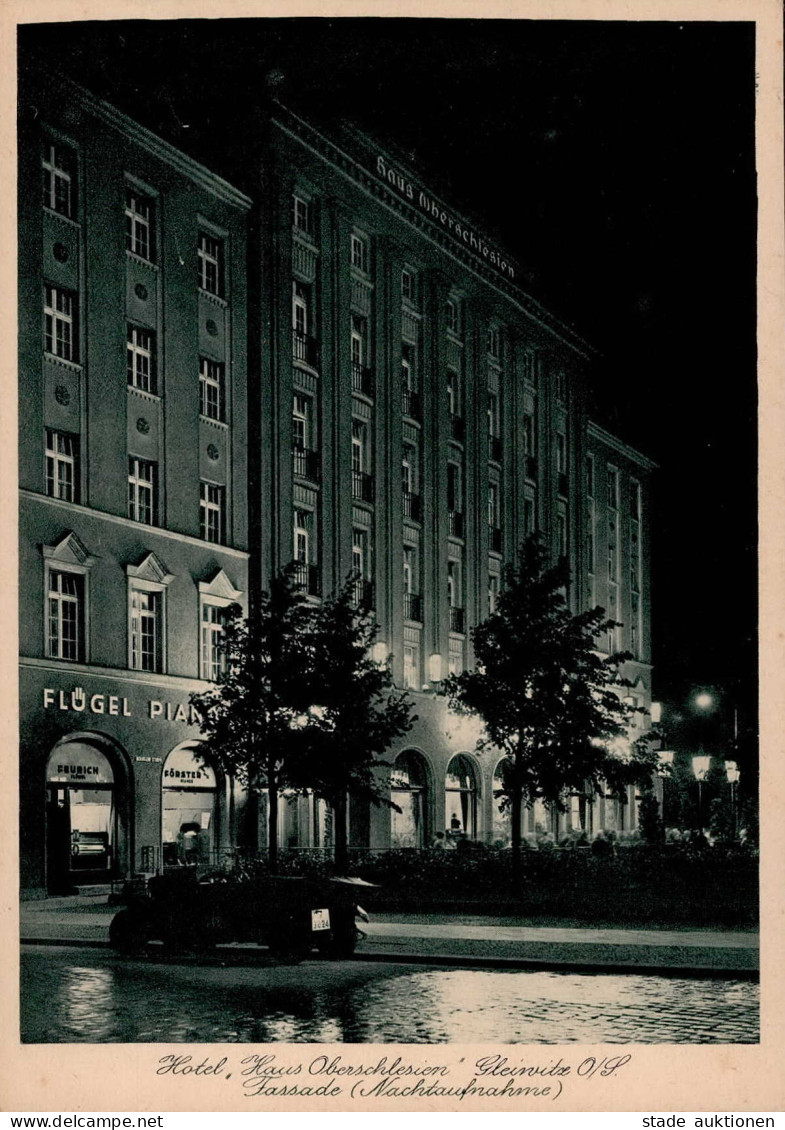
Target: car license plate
x=320, y=919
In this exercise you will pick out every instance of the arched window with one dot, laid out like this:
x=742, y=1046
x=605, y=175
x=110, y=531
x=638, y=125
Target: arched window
x=408, y=790
x=81, y=816
x=189, y=809
x=460, y=798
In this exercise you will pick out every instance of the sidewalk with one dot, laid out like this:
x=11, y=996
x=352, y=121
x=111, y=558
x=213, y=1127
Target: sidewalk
x=465, y=939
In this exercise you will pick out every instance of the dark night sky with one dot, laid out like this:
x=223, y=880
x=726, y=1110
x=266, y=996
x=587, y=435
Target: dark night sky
x=616, y=162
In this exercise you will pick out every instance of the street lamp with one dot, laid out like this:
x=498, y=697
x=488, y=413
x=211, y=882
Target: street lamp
x=700, y=767
x=732, y=773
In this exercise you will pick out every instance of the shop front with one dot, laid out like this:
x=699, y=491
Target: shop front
x=189, y=823
x=86, y=813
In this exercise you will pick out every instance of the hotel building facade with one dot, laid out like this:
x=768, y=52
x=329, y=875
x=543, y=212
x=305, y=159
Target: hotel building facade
x=336, y=369
x=420, y=416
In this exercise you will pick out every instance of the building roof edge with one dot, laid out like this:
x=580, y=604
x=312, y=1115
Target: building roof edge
x=621, y=447
x=144, y=137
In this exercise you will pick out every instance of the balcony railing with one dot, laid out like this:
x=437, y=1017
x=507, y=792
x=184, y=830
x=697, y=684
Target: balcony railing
x=411, y=505
x=305, y=348
x=530, y=464
x=305, y=464
x=456, y=523
x=362, y=486
x=457, y=619
x=457, y=427
x=562, y=486
x=363, y=593
x=412, y=606
x=411, y=404
x=495, y=448
x=362, y=379
x=307, y=578
x=496, y=539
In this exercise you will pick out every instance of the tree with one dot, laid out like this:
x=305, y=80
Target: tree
x=546, y=696
x=249, y=718
x=355, y=714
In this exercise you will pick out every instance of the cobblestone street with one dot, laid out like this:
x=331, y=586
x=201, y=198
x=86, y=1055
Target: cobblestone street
x=92, y=996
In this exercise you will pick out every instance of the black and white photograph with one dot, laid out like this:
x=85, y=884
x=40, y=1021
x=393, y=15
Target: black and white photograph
x=388, y=532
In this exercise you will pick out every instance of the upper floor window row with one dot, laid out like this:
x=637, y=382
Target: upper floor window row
x=58, y=165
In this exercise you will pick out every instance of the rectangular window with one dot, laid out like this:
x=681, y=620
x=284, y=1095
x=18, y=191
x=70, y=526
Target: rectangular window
x=493, y=592
x=409, y=585
x=453, y=399
x=212, y=388
x=528, y=434
x=139, y=231
x=493, y=505
x=635, y=500
x=212, y=513
x=407, y=465
x=142, y=491
x=62, y=465
x=454, y=488
x=213, y=658
x=300, y=307
x=301, y=422
x=528, y=516
x=59, y=173
x=613, y=614
x=303, y=523
x=301, y=214
x=452, y=317
x=407, y=368
x=411, y=677
x=454, y=584
x=561, y=453
x=140, y=354
x=493, y=341
x=359, y=339
x=359, y=437
x=359, y=253
x=407, y=285
x=210, y=252
x=590, y=476
x=145, y=630
x=60, y=323
x=561, y=528
x=613, y=488
x=66, y=616
x=493, y=414
x=455, y=657
x=560, y=382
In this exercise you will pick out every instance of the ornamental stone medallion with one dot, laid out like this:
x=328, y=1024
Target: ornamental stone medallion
x=211, y=327
x=142, y=425
x=140, y=290
x=212, y=452
x=61, y=252
x=62, y=395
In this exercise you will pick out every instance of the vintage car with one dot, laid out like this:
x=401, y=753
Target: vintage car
x=290, y=915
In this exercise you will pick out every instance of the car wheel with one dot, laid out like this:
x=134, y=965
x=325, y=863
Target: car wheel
x=129, y=932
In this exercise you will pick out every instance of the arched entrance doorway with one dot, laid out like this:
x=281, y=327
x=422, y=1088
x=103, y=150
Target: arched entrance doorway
x=190, y=809
x=460, y=798
x=408, y=789
x=83, y=835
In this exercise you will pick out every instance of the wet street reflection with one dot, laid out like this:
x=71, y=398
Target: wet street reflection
x=91, y=996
